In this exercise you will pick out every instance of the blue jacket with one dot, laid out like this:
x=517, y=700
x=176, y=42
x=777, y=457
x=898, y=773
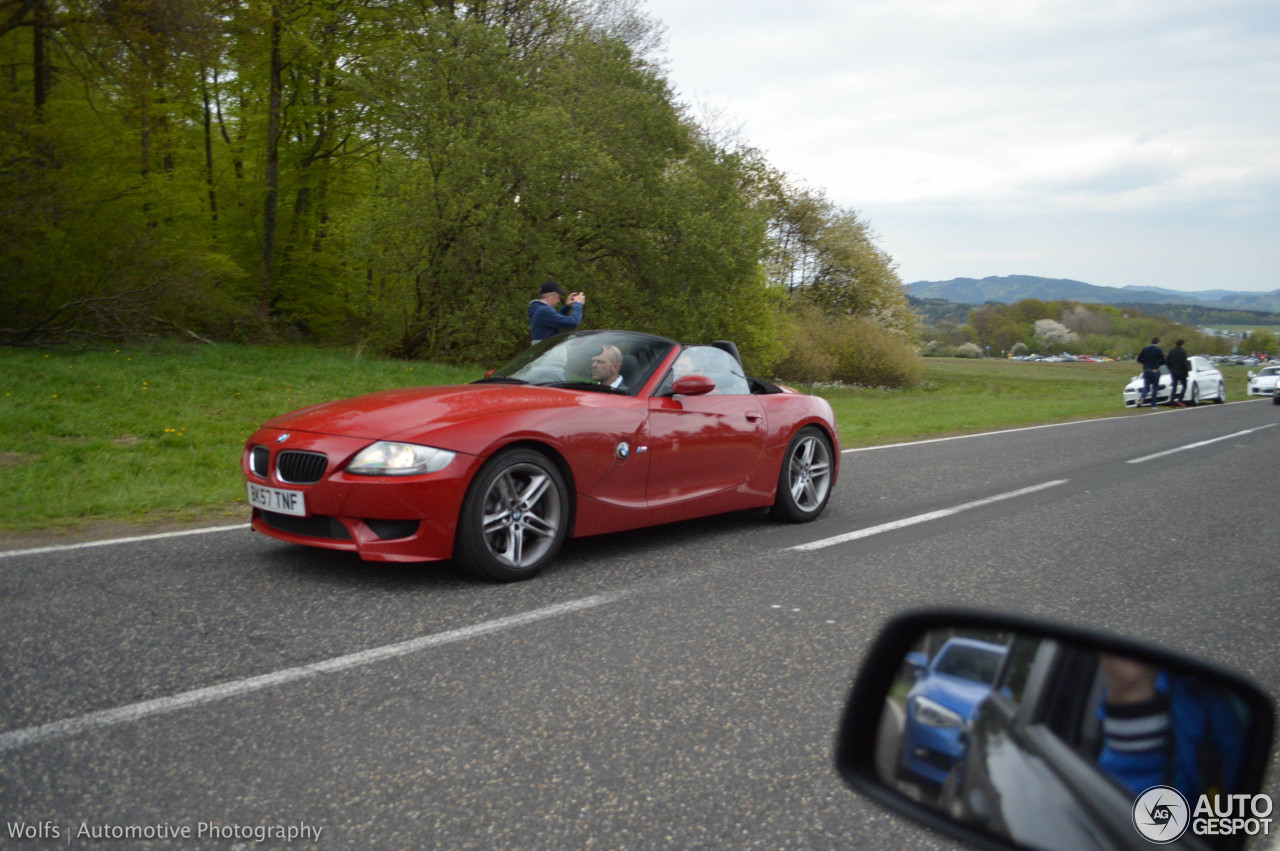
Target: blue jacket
x=545, y=320
x=1191, y=739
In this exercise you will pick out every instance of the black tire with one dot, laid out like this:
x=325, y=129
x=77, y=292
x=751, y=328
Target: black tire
x=1275, y=398
x=1222, y=394
x=804, y=482
x=514, y=518
x=1195, y=394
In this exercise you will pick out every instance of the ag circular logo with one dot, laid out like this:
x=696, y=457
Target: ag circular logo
x=1161, y=814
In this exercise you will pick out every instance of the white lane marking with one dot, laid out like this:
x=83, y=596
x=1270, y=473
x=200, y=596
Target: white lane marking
x=1008, y=431
x=87, y=544
x=1197, y=445
x=979, y=434
x=921, y=518
x=15, y=739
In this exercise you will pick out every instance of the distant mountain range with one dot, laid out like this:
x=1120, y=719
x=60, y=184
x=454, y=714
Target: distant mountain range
x=1012, y=288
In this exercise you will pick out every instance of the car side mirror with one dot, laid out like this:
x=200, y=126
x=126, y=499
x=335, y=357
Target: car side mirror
x=1251, y=373
x=692, y=385
x=1022, y=734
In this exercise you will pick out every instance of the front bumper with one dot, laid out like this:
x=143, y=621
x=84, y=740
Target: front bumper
x=929, y=753
x=1132, y=397
x=382, y=518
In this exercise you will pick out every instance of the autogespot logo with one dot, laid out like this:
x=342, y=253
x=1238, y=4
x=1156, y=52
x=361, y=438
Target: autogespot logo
x=1161, y=814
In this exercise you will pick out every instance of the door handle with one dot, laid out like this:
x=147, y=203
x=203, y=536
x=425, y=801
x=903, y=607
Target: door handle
x=753, y=418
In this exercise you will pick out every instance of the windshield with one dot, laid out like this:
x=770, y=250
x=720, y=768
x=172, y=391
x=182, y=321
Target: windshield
x=607, y=361
x=970, y=663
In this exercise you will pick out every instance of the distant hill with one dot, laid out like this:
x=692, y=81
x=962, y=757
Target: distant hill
x=1012, y=288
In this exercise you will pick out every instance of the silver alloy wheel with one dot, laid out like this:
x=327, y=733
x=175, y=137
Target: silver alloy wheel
x=809, y=472
x=522, y=515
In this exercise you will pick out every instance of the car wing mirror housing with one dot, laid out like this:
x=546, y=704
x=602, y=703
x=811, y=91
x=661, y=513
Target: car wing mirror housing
x=1017, y=733
x=692, y=385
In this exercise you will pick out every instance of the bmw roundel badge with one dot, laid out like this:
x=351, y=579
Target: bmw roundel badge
x=282, y=438
x=623, y=450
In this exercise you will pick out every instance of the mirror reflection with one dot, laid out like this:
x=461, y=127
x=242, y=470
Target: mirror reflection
x=1048, y=744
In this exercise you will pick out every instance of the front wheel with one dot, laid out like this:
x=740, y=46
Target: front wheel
x=804, y=483
x=1222, y=394
x=1195, y=394
x=514, y=518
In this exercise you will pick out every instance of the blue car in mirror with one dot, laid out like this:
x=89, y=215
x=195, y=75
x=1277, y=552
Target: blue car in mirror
x=947, y=690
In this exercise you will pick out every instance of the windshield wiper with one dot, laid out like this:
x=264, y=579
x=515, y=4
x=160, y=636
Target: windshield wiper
x=499, y=379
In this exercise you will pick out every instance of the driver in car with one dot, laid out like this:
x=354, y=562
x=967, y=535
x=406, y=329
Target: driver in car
x=606, y=367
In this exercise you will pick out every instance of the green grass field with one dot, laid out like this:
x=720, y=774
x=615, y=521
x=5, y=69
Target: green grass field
x=153, y=435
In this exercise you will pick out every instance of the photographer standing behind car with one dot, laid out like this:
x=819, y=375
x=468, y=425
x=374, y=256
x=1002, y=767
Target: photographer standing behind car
x=545, y=320
x=1151, y=358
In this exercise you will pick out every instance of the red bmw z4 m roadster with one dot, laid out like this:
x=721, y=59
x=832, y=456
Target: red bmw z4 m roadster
x=582, y=434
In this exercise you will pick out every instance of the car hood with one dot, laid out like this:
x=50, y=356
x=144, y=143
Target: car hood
x=955, y=693
x=412, y=412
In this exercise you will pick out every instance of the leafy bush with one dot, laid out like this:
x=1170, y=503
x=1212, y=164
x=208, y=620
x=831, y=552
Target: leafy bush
x=847, y=349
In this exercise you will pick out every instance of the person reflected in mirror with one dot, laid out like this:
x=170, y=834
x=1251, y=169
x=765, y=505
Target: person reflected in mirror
x=1167, y=730
x=546, y=320
x=606, y=367
x=1151, y=358
x=1179, y=369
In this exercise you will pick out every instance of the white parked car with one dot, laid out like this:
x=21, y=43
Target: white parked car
x=1204, y=384
x=1263, y=382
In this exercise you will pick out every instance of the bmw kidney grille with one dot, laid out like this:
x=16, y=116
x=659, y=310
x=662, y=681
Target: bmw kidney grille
x=301, y=468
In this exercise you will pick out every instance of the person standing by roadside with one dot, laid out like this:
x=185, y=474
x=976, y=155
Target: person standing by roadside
x=545, y=320
x=1151, y=358
x=1179, y=368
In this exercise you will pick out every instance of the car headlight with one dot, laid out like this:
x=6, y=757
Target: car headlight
x=934, y=714
x=388, y=458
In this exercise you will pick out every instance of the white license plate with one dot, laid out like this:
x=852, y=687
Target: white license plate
x=274, y=499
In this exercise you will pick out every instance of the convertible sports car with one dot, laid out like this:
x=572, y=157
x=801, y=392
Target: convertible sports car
x=582, y=434
x=1263, y=383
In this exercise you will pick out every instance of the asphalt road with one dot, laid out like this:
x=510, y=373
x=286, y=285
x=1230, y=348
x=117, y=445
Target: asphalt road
x=673, y=688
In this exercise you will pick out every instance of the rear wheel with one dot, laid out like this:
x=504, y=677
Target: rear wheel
x=514, y=518
x=804, y=483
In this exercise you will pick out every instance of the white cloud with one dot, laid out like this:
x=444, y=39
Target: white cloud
x=1114, y=142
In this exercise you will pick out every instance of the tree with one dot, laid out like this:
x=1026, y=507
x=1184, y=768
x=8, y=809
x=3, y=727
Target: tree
x=1261, y=341
x=1052, y=333
x=827, y=256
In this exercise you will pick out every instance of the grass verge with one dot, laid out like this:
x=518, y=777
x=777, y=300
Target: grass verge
x=153, y=435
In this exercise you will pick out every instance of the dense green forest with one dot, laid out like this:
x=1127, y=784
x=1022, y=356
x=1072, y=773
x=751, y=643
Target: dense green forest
x=397, y=174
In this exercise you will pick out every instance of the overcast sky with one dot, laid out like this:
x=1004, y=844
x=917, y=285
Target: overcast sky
x=1116, y=142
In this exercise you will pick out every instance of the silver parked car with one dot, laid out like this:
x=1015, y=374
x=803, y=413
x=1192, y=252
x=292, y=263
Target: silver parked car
x=1263, y=382
x=1204, y=384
